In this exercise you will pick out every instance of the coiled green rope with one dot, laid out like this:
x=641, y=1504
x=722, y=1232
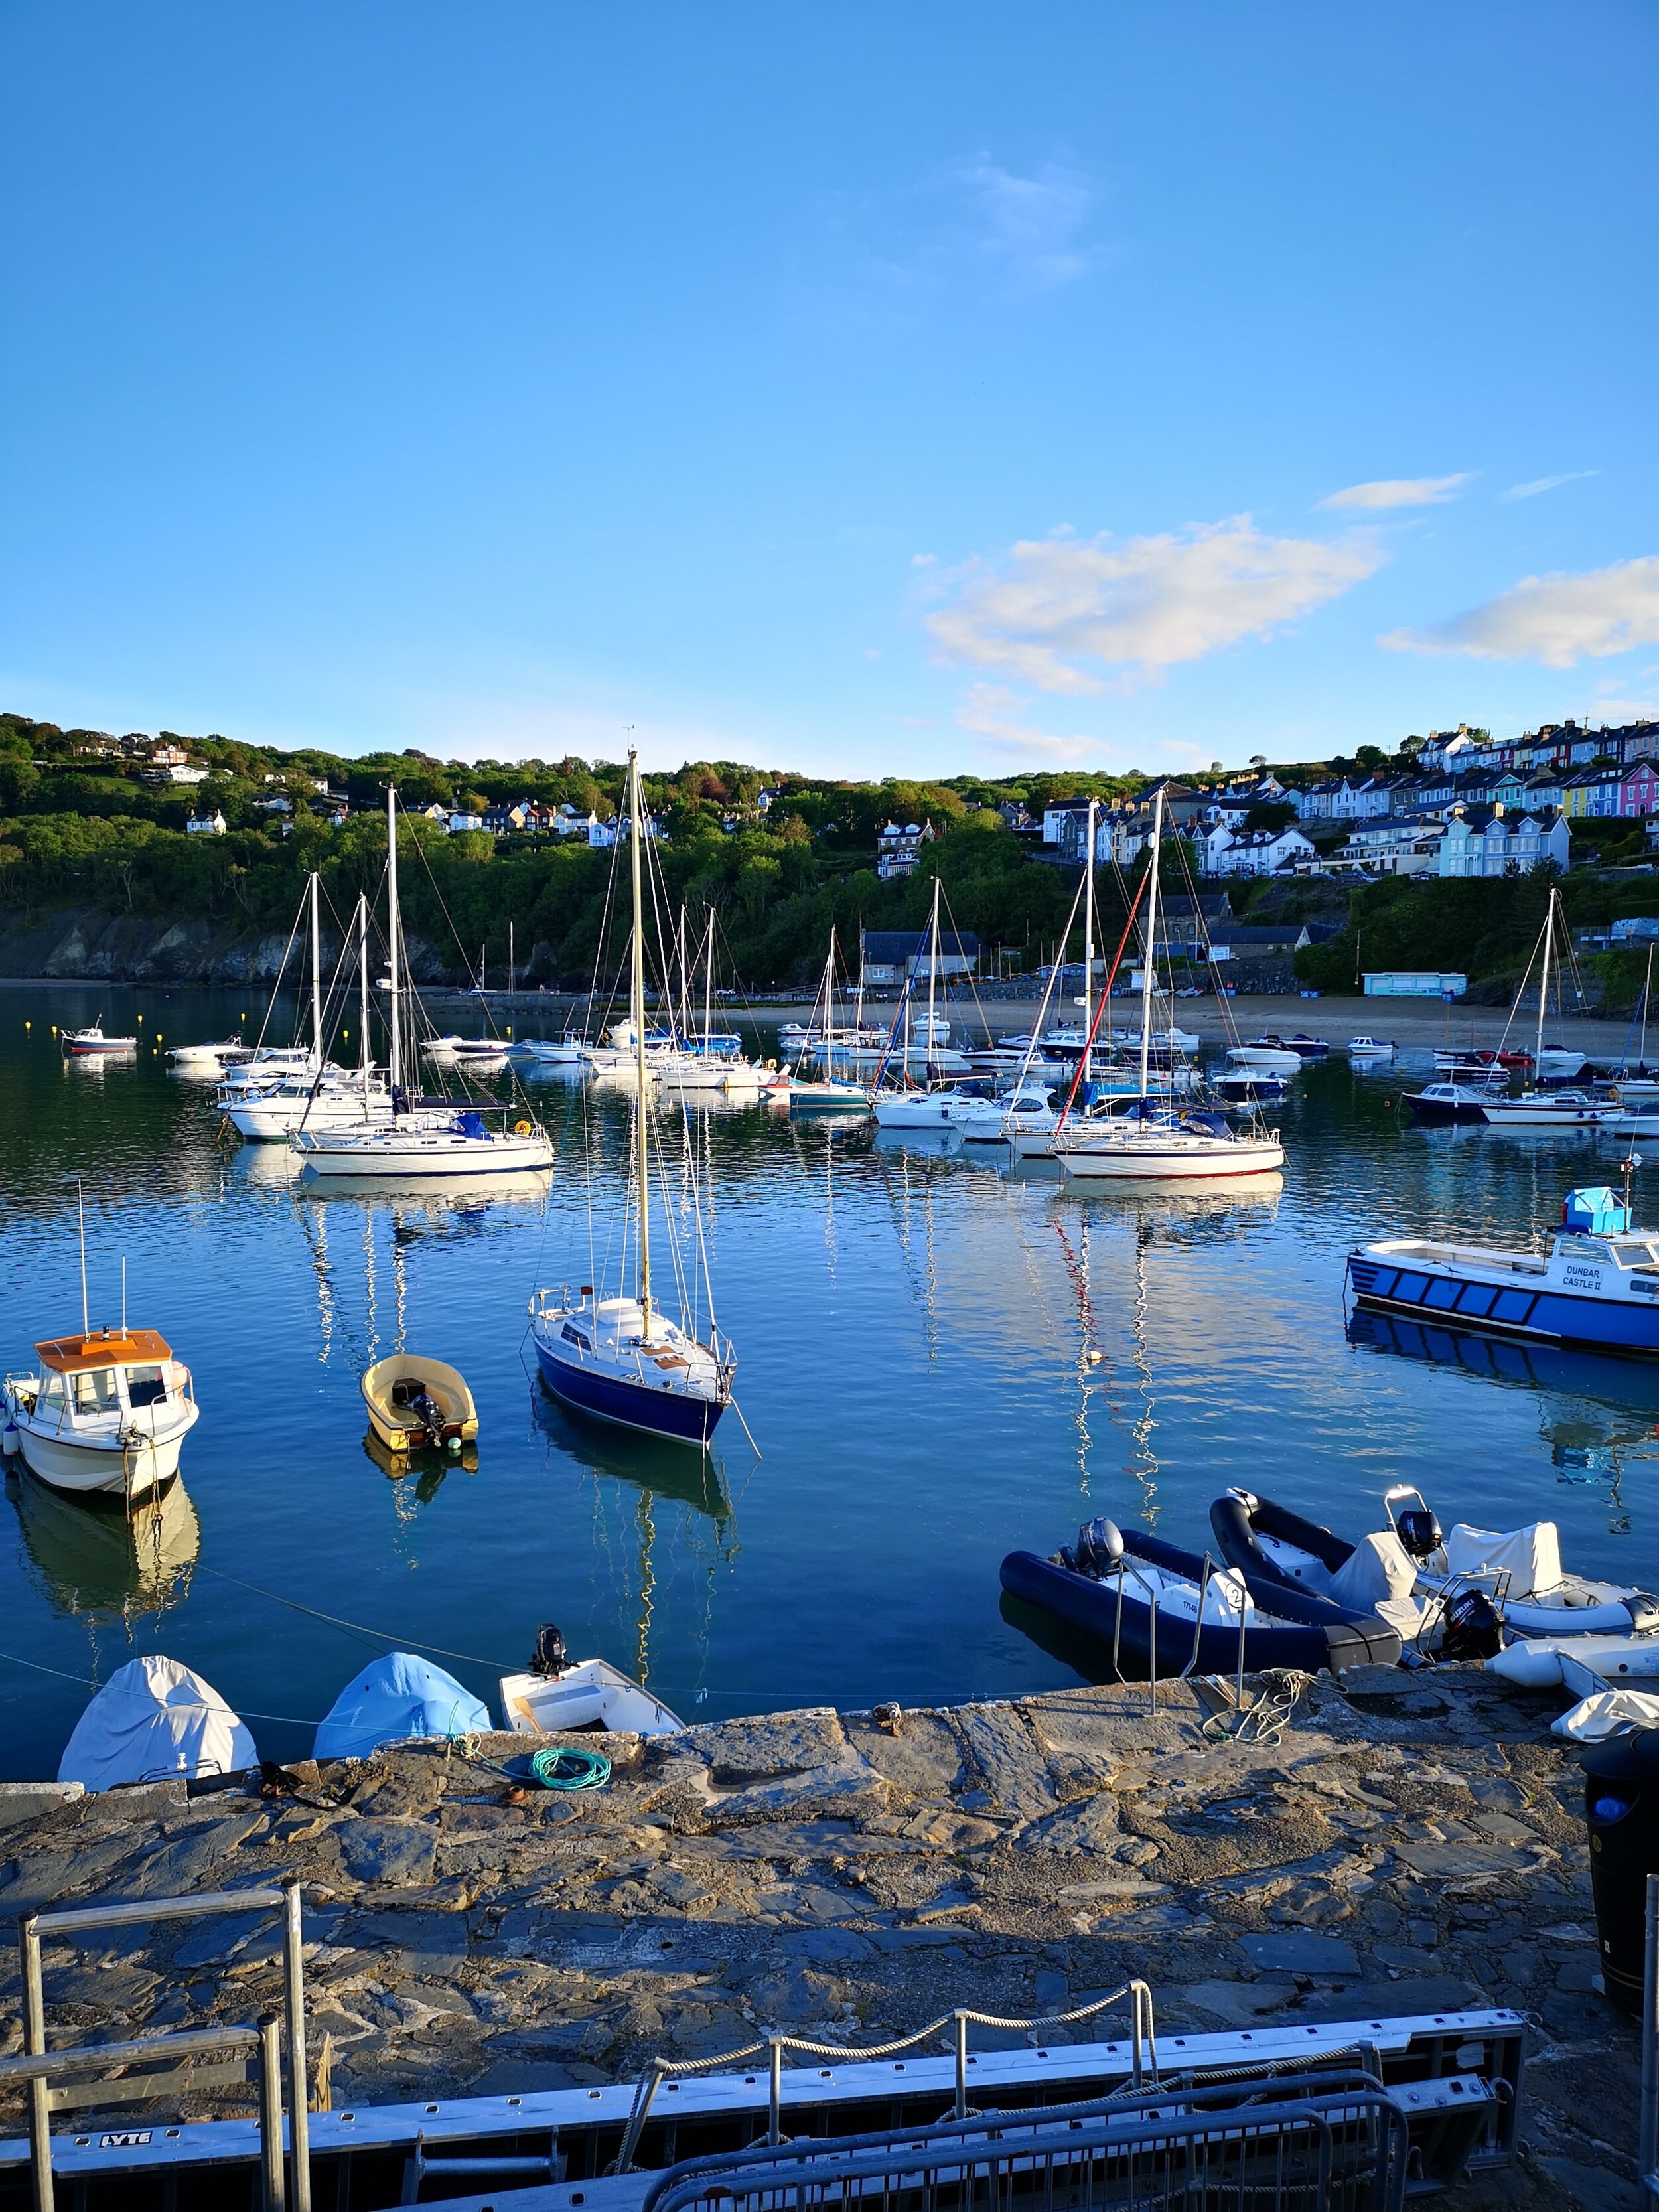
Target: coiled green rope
x=570, y=1770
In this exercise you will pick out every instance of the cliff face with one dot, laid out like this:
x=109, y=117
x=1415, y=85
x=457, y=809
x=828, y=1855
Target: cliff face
x=85, y=942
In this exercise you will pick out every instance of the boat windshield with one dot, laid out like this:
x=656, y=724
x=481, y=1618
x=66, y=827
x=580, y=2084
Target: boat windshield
x=92, y=1391
x=146, y=1386
x=1632, y=1252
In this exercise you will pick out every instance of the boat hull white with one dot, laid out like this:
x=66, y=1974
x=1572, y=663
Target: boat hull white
x=1203, y=1159
x=393, y=1156
x=591, y=1693
x=84, y=1470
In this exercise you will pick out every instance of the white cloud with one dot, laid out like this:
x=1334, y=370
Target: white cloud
x=923, y=559
x=991, y=712
x=1399, y=491
x=1029, y=226
x=1546, y=483
x=1140, y=606
x=1559, y=620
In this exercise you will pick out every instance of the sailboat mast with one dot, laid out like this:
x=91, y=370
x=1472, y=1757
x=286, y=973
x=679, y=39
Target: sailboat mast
x=1642, y=1049
x=395, y=1049
x=81, y=1216
x=708, y=987
x=637, y=995
x=829, y=1008
x=362, y=992
x=1544, y=984
x=316, y=973
x=1089, y=944
x=509, y=967
x=1151, y=941
x=933, y=980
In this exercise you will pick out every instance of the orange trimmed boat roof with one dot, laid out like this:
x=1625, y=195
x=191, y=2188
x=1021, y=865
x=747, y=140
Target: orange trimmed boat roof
x=103, y=1347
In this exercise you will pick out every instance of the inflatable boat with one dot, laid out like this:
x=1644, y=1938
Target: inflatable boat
x=1539, y=1662
x=1413, y=1565
x=1156, y=1605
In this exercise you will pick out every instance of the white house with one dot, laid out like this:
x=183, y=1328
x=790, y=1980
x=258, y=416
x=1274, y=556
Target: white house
x=207, y=825
x=455, y=822
x=1253, y=851
x=1483, y=843
x=603, y=835
x=899, y=847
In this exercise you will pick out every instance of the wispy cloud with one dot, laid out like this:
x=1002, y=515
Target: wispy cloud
x=1399, y=491
x=1030, y=227
x=1559, y=620
x=1547, y=484
x=992, y=712
x=975, y=225
x=1054, y=607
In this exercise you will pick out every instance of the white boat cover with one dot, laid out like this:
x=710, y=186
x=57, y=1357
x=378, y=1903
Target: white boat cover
x=1532, y=1555
x=1379, y=1575
x=152, y=1719
x=1609, y=1712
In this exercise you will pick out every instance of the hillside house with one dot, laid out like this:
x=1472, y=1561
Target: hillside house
x=887, y=957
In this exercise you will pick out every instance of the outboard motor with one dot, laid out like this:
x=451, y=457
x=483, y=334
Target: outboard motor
x=1099, y=1547
x=1473, y=1627
x=1419, y=1532
x=549, y=1657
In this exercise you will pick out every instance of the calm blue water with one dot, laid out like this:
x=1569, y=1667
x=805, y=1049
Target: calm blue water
x=914, y=1329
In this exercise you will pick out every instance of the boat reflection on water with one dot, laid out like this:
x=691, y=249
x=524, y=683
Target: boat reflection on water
x=1089, y=1657
x=432, y=1198
x=667, y=1470
x=428, y=1467
x=1595, y=1414
x=93, y=1561
x=1197, y=1199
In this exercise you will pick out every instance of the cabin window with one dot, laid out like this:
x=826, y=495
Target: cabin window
x=1633, y=1252
x=93, y=1391
x=51, y=1398
x=146, y=1386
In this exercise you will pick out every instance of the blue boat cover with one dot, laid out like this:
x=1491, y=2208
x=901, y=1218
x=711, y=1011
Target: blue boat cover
x=470, y=1125
x=397, y=1697
x=1595, y=1212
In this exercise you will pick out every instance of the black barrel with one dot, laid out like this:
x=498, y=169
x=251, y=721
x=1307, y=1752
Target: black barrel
x=1622, y=1805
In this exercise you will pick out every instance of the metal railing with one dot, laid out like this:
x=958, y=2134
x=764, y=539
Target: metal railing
x=1143, y=2057
x=40, y=2069
x=73, y=1924
x=1271, y=2145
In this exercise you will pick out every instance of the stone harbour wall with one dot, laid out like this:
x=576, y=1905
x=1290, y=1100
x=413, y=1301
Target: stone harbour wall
x=1410, y=1843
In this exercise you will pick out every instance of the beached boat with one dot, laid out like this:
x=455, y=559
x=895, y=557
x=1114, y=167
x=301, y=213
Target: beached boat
x=1597, y=1285
x=1173, y=1612
x=622, y=1358
x=418, y=1403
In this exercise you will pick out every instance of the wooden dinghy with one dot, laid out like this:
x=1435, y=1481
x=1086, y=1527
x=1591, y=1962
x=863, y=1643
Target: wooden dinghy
x=417, y=1404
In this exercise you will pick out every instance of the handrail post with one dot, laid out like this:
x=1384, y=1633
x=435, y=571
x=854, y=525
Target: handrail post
x=1198, y=1626
x=294, y=1993
x=1151, y=1648
x=1244, y=1606
x=774, y=2130
x=1649, y=2153
x=270, y=2110
x=961, y=2063
x=35, y=2042
x=1117, y=1625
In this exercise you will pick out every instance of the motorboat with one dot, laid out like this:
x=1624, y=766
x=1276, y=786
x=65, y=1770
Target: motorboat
x=568, y=1052
x=1559, y=1061
x=1303, y=1046
x=1251, y=1086
x=1277, y=1058
x=924, y=1110
x=82, y=1043
x=1027, y=1111
x=1483, y=1060
x=398, y=1699
x=209, y=1059
x=415, y=1403
x=623, y=1358
x=558, y=1696
x=156, y=1720
x=1552, y=1109
x=268, y=1116
x=1452, y=1102
x=1533, y=1592
x=1596, y=1286
x=486, y=1055
x=107, y=1410
x=1370, y=1048
x=826, y=1096
x=1173, y=1612
x=1148, y=1140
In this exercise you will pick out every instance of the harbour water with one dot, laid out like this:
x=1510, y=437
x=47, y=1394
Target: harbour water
x=940, y=1358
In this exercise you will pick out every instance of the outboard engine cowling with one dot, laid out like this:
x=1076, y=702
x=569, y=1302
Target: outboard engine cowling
x=551, y=1656
x=1419, y=1532
x=1473, y=1628
x=1099, y=1546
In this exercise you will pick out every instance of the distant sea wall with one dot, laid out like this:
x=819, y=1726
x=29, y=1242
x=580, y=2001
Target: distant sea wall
x=89, y=943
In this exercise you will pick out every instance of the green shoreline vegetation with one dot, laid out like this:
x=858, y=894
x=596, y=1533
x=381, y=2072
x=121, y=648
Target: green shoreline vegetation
x=81, y=826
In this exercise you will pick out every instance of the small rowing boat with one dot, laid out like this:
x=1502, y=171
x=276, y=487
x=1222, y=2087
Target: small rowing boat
x=417, y=1404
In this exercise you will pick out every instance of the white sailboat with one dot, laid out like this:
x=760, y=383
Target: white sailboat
x=1151, y=1140
x=270, y=1099
x=923, y=1109
x=1551, y=1110
x=420, y=1141
x=622, y=1358
x=831, y=1092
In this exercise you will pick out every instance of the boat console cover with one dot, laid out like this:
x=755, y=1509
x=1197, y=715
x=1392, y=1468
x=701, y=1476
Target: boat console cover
x=1531, y=1556
x=154, y=1718
x=1378, y=1575
x=395, y=1698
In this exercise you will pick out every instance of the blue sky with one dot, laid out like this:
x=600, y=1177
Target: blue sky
x=866, y=390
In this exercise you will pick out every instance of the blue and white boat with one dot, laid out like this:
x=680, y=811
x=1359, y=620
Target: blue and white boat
x=620, y=1358
x=1597, y=1287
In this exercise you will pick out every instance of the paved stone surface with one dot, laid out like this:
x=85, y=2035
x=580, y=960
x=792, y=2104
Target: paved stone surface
x=1408, y=1848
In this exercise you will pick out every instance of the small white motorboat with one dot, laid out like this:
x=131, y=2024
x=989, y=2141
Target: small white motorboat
x=1370, y=1048
x=1521, y=1569
x=558, y=1696
x=107, y=1412
x=1277, y=1060
x=152, y=1720
x=1028, y=1111
x=210, y=1059
x=82, y=1043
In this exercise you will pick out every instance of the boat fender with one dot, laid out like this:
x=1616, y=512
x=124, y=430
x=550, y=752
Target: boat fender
x=10, y=1442
x=1643, y=1610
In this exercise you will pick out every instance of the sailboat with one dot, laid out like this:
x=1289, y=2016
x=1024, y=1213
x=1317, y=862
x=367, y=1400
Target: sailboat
x=622, y=1358
x=1151, y=1140
x=831, y=1092
x=315, y=1094
x=1549, y=1110
x=419, y=1140
x=908, y=1109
